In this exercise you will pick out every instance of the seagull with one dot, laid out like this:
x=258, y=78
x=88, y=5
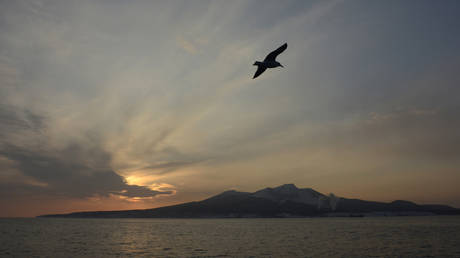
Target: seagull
x=269, y=61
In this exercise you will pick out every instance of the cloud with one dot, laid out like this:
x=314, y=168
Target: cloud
x=98, y=98
x=68, y=173
x=13, y=119
x=166, y=167
x=8, y=73
x=73, y=171
x=187, y=45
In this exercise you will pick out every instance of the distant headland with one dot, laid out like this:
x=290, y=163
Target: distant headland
x=280, y=202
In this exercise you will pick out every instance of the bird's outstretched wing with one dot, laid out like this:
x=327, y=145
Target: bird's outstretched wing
x=272, y=56
x=259, y=71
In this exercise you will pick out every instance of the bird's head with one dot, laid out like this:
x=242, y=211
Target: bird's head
x=279, y=64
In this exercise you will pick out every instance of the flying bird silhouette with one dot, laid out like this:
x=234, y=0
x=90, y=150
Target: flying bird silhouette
x=269, y=61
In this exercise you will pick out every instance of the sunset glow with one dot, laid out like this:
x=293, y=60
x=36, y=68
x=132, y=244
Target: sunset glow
x=110, y=105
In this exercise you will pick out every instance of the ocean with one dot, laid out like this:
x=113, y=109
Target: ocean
x=427, y=236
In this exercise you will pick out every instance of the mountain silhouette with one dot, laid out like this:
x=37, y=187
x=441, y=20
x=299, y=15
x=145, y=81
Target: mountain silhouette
x=282, y=201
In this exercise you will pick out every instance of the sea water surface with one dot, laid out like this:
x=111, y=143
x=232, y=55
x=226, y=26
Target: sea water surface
x=431, y=236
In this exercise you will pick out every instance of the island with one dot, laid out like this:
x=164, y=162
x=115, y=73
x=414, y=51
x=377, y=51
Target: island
x=285, y=201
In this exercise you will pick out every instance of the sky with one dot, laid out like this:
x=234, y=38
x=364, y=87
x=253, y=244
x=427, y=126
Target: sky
x=110, y=105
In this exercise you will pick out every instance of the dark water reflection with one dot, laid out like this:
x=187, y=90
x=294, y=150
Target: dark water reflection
x=437, y=236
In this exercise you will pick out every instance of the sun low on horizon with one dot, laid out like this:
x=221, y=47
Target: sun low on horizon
x=116, y=105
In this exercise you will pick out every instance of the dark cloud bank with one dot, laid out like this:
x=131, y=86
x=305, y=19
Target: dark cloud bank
x=75, y=171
